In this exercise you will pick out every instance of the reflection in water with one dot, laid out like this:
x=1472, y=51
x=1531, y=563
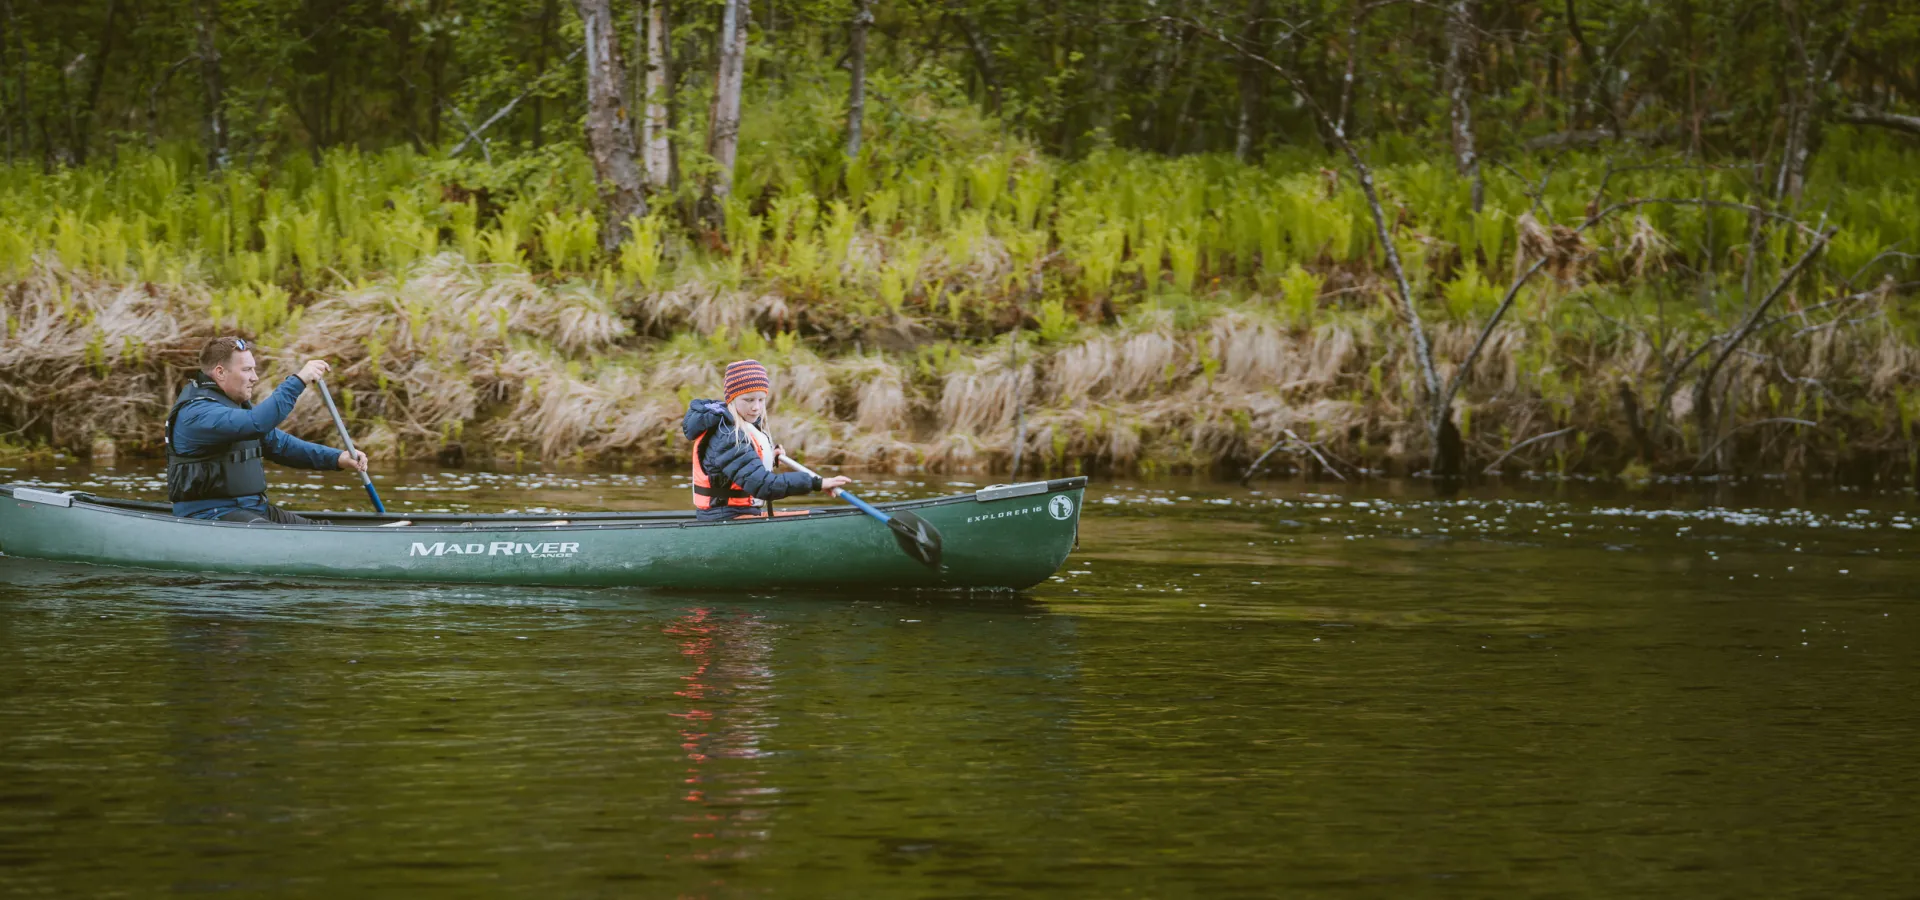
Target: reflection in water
x=724, y=719
x=1228, y=692
x=226, y=737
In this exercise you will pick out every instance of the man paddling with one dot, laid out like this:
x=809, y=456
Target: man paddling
x=217, y=439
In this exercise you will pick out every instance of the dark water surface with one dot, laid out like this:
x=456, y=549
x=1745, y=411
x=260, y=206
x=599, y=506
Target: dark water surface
x=1307, y=690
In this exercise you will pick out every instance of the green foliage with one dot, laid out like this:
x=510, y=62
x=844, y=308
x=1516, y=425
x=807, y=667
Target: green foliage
x=1469, y=296
x=640, y=255
x=1299, y=293
x=1055, y=322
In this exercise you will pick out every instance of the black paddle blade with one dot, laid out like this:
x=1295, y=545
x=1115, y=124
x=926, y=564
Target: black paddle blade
x=919, y=539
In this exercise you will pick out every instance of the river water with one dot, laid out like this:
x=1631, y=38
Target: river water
x=1302, y=689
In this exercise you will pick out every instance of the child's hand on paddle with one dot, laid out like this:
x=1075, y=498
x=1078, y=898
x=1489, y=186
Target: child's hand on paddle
x=834, y=484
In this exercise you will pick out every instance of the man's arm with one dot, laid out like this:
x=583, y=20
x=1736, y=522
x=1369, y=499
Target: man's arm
x=293, y=452
x=205, y=424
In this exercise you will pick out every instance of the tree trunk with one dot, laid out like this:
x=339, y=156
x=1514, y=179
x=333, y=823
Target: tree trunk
x=63, y=101
x=1594, y=80
x=94, y=82
x=1343, y=120
x=723, y=126
x=1807, y=108
x=1630, y=408
x=1793, y=159
x=1459, y=57
x=401, y=30
x=609, y=131
x=983, y=61
x=857, y=93
x=659, y=84
x=1166, y=55
x=544, y=28
x=214, y=118
x=1250, y=74
x=6, y=43
x=1105, y=71
x=437, y=53
x=1800, y=113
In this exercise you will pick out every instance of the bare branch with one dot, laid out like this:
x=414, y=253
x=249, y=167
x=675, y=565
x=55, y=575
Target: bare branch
x=1289, y=437
x=1835, y=303
x=1760, y=309
x=1493, y=321
x=474, y=133
x=1748, y=208
x=1738, y=428
x=1495, y=465
x=1860, y=115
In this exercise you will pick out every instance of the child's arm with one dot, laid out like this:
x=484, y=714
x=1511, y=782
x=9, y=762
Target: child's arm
x=741, y=466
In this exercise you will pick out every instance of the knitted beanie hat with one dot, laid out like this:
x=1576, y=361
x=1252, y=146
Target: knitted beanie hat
x=745, y=376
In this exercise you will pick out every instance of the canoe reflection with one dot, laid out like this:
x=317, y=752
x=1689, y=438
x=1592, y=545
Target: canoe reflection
x=724, y=717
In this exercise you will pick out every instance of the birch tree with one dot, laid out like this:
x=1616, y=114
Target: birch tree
x=1459, y=53
x=723, y=128
x=857, y=58
x=1250, y=73
x=657, y=150
x=214, y=119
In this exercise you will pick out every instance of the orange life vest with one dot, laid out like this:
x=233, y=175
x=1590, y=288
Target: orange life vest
x=706, y=495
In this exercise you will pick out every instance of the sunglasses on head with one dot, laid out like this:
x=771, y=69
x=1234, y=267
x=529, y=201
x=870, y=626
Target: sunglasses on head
x=239, y=343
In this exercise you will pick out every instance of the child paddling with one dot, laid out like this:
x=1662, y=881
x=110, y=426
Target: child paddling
x=733, y=458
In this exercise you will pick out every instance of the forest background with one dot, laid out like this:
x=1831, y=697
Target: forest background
x=1616, y=237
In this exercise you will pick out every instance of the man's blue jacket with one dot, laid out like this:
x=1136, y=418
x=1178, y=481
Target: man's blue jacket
x=206, y=425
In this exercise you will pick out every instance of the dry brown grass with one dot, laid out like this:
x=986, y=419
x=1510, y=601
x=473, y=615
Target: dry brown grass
x=1566, y=252
x=1645, y=249
x=502, y=362
x=707, y=308
x=984, y=394
x=430, y=353
x=880, y=397
x=80, y=357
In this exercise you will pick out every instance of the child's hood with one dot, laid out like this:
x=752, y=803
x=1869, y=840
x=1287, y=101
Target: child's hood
x=702, y=417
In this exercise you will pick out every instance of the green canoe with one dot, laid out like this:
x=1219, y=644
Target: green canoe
x=1006, y=536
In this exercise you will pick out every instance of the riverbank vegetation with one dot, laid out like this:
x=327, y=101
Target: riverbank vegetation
x=1599, y=283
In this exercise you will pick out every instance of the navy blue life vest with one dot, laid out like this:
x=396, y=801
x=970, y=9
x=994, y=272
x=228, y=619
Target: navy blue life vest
x=230, y=471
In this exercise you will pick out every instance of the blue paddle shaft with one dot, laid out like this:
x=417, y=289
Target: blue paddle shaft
x=845, y=494
x=865, y=507
x=341, y=424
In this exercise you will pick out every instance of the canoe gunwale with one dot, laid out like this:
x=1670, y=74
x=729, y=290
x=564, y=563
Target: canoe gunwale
x=530, y=522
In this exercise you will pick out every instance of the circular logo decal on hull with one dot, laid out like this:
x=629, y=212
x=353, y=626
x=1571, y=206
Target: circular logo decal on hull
x=1061, y=507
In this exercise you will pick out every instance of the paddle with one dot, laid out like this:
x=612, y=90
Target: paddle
x=918, y=538
x=342, y=425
